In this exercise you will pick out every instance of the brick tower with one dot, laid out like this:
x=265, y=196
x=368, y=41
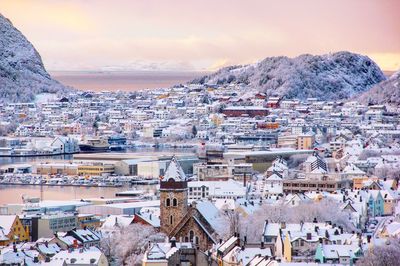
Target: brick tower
x=173, y=196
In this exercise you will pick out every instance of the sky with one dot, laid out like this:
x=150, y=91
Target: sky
x=202, y=35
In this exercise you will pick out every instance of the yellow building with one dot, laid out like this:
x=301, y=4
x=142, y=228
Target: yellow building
x=57, y=168
x=12, y=230
x=88, y=220
x=389, y=203
x=287, y=248
x=360, y=182
x=95, y=169
x=305, y=141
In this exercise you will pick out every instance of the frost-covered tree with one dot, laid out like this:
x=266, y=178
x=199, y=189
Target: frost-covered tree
x=22, y=74
x=295, y=160
x=230, y=222
x=387, y=254
x=332, y=76
x=325, y=210
x=126, y=245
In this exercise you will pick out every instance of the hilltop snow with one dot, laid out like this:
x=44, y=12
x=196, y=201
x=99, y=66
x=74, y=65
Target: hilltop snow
x=385, y=92
x=329, y=77
x=22, y=74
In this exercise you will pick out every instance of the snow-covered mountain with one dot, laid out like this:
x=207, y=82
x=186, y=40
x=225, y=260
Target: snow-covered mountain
x=331, y=77
x=385, y=92
x=22, y=74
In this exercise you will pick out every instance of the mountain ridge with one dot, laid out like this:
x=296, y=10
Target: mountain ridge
x=22, y=73
x=334, y=76
x=385, y=92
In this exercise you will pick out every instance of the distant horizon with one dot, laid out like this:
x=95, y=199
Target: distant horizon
x=133, y=80
x=123, y=80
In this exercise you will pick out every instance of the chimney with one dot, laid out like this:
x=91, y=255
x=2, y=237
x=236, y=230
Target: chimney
x=262, y=244
x=242, y=247
x=36, y=259
x=308, y=236
x=47, y=259
x=316, y=229
x=173, y=242
x=245, y=240
x=220, y=240
x=315, y=220
x=75, y=243
x=244, y=180
x=283, y=225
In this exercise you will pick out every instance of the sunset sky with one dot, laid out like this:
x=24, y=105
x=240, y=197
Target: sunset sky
x=202, y=35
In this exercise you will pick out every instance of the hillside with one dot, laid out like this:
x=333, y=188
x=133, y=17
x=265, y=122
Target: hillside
x=385, y=92
x=331, y=77
x=22, y=74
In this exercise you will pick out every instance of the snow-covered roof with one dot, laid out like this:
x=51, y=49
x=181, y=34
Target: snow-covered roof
x=228, y=243
x=351, y=169
x=113, y=221
x=151, y=217
x=86, y=235
x=160, y=252
x=6, y=222
x=209, y=212
x=238, y=254
x=174, y=171
x=90, y=256
x=48, y=248
x=393, y=229
x=339, y=251
x=274, y=177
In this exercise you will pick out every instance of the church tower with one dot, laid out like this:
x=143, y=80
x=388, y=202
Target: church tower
x=173, y=196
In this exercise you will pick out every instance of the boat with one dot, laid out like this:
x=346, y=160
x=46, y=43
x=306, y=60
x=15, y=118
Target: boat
x=94, y=145
x=129, y=193
x=145, y=182
x=117, y=143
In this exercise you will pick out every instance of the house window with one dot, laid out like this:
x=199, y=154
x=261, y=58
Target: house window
x=168, y=202
x=171, y=220
x=174, y=202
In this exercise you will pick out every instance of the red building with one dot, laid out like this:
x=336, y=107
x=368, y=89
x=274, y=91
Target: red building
x=251, y=111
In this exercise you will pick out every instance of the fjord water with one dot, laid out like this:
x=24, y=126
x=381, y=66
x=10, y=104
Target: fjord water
x=123, y=80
